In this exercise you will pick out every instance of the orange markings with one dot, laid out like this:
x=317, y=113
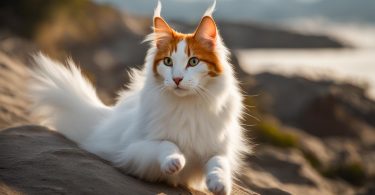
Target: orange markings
x=197, y=44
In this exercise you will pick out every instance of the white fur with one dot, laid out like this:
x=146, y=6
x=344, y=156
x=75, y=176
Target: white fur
x=190, y=136
x=157, y=10
x=210, y=10
x=63, y=97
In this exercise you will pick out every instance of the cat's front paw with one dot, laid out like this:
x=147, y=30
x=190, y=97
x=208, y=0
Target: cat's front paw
x=218, y=185
x=173, y=164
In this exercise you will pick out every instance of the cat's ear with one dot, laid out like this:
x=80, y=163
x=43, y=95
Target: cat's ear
x=163, y=33
x=206, y=32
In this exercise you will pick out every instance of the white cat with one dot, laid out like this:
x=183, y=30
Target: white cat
x=178, y=122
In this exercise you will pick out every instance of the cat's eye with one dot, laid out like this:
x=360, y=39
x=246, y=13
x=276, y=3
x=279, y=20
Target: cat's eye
x=193, y=61
x=168, y=61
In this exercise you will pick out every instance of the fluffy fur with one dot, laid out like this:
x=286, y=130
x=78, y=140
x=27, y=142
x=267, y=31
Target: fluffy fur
x=184, y=133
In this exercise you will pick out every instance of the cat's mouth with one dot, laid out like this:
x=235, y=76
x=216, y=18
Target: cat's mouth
x=179, y=91
x=179, y=88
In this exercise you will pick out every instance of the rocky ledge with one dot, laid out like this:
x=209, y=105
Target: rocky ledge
x=36, y=160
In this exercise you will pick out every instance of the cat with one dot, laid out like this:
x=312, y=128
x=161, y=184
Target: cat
x=178, y=121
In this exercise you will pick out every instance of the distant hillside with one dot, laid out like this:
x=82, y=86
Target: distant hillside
x=240, y=35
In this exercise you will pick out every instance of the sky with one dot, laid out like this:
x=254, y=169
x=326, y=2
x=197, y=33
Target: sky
x=267, y=11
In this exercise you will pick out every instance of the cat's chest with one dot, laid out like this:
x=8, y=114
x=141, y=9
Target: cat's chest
x=197, y=126
x=191, y=120
x=196, y=130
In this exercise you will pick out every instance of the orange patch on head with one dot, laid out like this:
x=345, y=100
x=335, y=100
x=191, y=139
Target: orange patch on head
x=167, y=47
x=204, y=54
x=200, y=44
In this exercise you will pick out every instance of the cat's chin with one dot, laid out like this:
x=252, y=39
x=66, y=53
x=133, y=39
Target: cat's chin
x=182, y=92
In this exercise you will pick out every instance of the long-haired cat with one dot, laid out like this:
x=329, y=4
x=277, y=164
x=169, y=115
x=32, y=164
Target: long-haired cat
x=178, y=122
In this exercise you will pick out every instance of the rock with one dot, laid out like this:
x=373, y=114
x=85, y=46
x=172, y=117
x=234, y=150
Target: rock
x=264, y=36
x=368, y=162
x=367, y=191
x=35, y=160
x=277, y=171
x=346, y=150
x=328, y=115
x=314, y=150
x=348, y=162
x=322, y=108
x=337, y=120
x=13, y=99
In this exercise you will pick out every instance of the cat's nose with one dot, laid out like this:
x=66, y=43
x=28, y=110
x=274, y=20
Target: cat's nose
x=177, y=80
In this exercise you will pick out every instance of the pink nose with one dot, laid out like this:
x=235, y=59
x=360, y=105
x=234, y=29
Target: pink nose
x=177, y=80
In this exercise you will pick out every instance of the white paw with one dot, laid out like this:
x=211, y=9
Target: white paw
x=217, y=185
x=173, y=164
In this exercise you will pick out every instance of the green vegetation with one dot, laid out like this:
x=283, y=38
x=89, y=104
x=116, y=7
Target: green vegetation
x=270, y=133
x=313, y=160
x=266, y=131
x=353, y=173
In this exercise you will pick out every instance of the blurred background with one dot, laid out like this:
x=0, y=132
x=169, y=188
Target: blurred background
x=307, y=68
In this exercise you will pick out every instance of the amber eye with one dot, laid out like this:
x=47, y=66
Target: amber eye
x=168, y=61
x=193, y=61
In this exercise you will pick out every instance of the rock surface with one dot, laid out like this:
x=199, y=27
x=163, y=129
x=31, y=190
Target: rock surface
x=13, y=100
x=263, y=36
x=333, y=125
x=36, y=160
x=275, y=171
x=322, y=108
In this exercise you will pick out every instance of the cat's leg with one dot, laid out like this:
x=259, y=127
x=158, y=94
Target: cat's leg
x=146, y=156
x=170, y=158
x=218, y=176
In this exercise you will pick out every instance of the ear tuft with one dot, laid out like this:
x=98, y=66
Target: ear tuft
x=163, y=33
x=159, y=24
x=206, y=32
x=210, y=10
x=157, y=10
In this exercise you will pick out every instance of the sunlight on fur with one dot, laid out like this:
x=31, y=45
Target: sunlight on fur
x=178, y=122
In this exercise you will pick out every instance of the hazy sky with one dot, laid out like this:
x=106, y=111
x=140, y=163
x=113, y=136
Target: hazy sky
x=357, y=11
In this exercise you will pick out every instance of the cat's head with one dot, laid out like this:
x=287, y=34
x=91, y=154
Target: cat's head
x=185, y=63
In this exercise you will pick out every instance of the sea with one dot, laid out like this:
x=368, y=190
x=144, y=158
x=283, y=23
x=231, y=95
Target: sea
x=355, y=64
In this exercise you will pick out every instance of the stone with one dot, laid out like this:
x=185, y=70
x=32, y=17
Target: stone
x=36, y=160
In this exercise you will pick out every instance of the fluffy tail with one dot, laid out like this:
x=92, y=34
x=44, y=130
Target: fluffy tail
x=65, y=99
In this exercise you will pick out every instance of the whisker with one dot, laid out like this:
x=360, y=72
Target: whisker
x=202, y=95
x=163, y=89
x=248, y=106
x=254, y=95
x=205, y=90
x=254, y=117
x=247, y=125
x=206, y=94
x=160, y=89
